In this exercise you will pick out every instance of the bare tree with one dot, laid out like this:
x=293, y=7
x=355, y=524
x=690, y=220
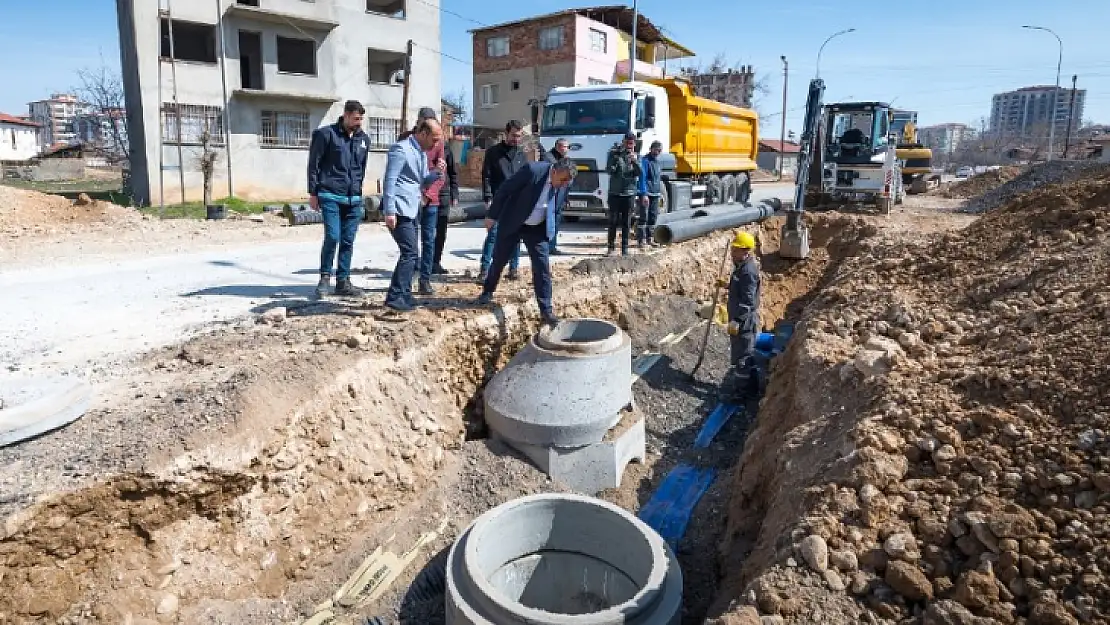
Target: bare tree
x=102, y=89
x=460, y=101
x=206, y=161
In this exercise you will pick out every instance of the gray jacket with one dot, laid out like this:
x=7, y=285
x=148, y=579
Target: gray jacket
x=406, y=177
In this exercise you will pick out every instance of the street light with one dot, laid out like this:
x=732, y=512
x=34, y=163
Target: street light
x=782, y=136
x=1055, y=92
x=831, y=37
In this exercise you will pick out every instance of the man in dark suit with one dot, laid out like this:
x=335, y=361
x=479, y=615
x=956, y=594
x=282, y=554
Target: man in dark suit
x=523, y=209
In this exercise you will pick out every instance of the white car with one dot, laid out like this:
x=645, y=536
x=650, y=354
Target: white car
x=965, y=172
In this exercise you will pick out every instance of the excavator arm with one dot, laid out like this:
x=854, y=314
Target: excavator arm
x=795, y=235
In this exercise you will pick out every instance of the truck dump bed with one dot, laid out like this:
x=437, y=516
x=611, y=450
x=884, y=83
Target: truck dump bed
x=709, y=136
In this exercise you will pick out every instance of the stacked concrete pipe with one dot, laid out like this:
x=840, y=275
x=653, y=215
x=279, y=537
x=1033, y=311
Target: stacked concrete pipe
x=558, y=559
x=559, y=397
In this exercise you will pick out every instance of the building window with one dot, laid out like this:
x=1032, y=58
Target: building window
x=516, y=85
x=381, y=131
x=599, y=41
x=388, y=8
x=598, y=81
x=191, y=41
x=551, y=38
x=281, y=129
x=296, y=56
x=195, y=119
x=385, y=66
x=491, y=95
x=497, y=46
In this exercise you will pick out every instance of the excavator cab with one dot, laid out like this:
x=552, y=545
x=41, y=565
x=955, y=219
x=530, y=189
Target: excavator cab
x=857, y=132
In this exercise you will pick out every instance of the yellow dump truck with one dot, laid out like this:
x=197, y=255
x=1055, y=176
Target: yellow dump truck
x=709, y=148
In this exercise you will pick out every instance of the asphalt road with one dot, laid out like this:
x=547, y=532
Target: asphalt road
x=88, y=318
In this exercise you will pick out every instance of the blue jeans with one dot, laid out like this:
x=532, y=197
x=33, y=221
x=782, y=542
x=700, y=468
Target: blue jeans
x=400, y=287
x=340, y=227
x=487, y=252
x=646, y=218
x=427, y=241
x=536, y=242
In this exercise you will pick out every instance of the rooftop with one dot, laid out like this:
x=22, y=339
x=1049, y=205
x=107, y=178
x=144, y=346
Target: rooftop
x=617, y=16
x=774, y=145
x=18, y=121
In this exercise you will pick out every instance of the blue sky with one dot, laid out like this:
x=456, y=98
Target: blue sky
x=972, y=48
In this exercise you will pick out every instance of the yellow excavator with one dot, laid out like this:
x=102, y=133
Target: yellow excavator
x=917, y=160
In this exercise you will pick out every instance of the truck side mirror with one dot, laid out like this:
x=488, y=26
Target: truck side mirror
x=649, y=112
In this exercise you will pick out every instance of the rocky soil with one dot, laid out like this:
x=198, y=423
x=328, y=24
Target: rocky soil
x=981, y=183
x=934, y=447
x=1057, y=172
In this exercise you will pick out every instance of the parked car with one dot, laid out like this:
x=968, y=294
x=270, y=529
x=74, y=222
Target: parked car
x=965, y=172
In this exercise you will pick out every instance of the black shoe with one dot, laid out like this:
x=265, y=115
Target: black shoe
x=653, y=244
x=344, y=288
x=549, y=319
x=439, y=270
x=426, y=288
x=485, y=299
x=514, y=274
x=399, y=307
x=482, y=275
x=611, y=252
x=323, y=287
x=555, y=252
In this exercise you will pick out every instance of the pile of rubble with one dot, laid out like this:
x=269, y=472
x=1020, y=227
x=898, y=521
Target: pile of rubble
x=946, y=414
x=1055, y=172
x=30, y=212
x=981, y=183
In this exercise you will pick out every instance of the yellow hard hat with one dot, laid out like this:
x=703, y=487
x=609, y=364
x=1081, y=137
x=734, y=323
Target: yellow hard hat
x=744, y=240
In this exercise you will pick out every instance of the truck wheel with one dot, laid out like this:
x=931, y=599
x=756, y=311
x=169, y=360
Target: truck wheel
x=743, y=188
x=713, y=189
x=728, y=190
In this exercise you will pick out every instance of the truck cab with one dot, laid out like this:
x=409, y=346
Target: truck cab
x=594, y=118
x=859, y=154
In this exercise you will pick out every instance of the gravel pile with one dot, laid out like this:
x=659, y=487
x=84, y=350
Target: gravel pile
x=1032, y=178
x=982, y=183
x=939, y=452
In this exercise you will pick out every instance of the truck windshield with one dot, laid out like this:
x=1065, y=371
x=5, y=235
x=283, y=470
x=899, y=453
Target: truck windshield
x=587, y=117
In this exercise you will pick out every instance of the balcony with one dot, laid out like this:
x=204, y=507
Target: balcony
x=263, y=14
x=271, y=94
x=643, y=69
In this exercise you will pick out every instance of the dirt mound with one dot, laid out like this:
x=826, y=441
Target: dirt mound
x=933, y=445
x=1032, y=178
x=30, y=212
x=981, y=183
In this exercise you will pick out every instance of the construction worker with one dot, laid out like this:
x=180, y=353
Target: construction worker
x=743, y=313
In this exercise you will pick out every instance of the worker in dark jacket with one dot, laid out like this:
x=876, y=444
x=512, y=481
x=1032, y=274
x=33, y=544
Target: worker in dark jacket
x=557, y=153
x=336, y=168
x=624, y=180
x=448, y=196
x=501, y=162
x=743, y=313
x=651, y=189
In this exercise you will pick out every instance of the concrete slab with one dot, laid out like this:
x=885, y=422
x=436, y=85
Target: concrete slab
x=592, y=468
x=566, y=388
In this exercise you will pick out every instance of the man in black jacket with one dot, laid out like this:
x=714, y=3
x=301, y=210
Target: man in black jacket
x=336, y=168
x=624, y=182
x=744, y=290
x=501, y=162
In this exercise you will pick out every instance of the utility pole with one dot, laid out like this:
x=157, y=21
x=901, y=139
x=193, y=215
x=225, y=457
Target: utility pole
x=632, y=57
x=227, y=103
x=782, y=135
x=406, y=88
x=1071, y=115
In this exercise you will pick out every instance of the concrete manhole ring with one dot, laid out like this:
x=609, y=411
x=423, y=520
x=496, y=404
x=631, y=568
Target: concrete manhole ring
x=34, y=406
x=559, y=559
x=584, y=336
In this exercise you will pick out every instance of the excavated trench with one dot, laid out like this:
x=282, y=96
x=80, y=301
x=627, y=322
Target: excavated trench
x=267, y=520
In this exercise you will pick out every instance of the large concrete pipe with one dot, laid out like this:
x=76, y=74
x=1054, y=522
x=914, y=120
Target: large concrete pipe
x=557, y=559
x=686, y=229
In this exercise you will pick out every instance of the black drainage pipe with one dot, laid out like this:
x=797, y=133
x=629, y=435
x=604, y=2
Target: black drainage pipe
x=686, y=229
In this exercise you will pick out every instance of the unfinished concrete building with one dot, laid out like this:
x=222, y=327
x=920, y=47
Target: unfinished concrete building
x=260, y=76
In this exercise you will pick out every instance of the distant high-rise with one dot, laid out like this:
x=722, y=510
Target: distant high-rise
x=1027, y=111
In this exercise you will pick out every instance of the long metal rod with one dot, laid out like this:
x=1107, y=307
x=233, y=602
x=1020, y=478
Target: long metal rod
x=709, y=322
x=227, y=103
x=632, y=57
x=161, y=124
x=176, y=106
x=782, y=134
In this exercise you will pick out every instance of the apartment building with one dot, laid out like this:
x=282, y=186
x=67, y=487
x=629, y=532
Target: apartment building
x=517, y=63
x=1027, y=111
x=735, y=86
x=106, y=131
x=19, y=138
x=260, y=76
x=945, y=139
x=55, y=115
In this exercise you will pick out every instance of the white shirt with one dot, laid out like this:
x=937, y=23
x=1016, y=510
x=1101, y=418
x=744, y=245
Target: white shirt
x=539, y=213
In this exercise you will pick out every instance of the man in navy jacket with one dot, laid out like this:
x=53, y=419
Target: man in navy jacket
x=336, y=168
x=524, y=209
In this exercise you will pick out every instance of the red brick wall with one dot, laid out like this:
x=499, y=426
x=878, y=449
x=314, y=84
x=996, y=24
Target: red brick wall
x=524, y=45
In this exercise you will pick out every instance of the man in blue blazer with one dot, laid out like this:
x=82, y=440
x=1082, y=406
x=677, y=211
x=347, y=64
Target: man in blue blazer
x=407, y=174
x=523, y=209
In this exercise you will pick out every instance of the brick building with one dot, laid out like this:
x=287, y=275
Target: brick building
x=516, y=64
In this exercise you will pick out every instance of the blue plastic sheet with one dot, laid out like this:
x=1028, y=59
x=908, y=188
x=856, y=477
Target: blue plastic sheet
x=713, y=424
x=670, y=508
